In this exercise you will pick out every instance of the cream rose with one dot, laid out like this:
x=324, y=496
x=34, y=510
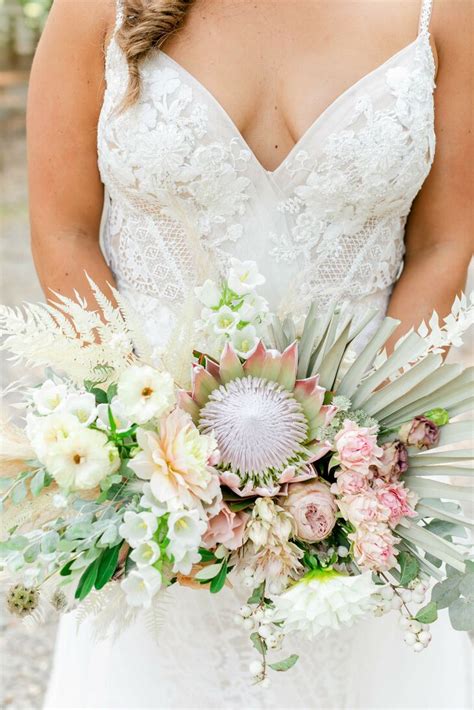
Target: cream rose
x=313, y=507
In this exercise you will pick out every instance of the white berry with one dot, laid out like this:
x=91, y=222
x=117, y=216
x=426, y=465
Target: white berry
x=248, y=624
x=404, y=622
x=245, y=611
x=415, y=626
x=418, y=647
x=406, y=595
x=265, y=632
x=424, y=637
x=256, y=667
x=410, y=638
x=396, y=602
x=387, y=593
x=418, y=597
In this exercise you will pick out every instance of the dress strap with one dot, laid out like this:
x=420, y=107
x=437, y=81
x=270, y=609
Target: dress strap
x=118, y=14
x=425, y=16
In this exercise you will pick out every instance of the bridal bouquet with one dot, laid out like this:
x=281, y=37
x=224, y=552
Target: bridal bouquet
x=317, y=481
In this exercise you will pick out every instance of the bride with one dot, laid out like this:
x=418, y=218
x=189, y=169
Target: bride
x=296, y=133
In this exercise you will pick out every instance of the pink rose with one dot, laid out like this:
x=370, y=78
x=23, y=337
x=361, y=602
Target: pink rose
x=357, y=446
x=374, y=549
x=350, y=482
x=226, y=528
x=313, y=507
x=397, y=499
x=364, y=509
x=420, y=432
x=393, y=462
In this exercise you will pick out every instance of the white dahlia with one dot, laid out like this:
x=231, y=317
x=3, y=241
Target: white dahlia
x=265, y=421
x=324, y=600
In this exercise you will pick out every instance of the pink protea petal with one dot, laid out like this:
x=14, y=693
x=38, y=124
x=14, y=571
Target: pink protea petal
x=186, y=402
x=230, y=365
x=289, y=367
x=203, y=384
x=318, y=449
x=326, y=415
x=295, y=475
x=213, y=369
x=255, y=363
x=311, y=397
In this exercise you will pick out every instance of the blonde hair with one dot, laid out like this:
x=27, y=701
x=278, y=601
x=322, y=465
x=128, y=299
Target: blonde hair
x=146, y=25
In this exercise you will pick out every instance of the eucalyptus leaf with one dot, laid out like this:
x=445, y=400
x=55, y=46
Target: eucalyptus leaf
x=286, y=664
x=32, y=552
x=445, y=592
x=466, y=586
x=18, y=494
x=37, y=482
x=461, y=614
x=49, y=542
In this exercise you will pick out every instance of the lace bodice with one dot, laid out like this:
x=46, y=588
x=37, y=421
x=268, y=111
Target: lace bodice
x=185, y=192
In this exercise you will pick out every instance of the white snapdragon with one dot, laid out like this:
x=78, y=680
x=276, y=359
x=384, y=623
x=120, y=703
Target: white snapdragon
x=138, y=527
x=141, y=585
x=82, y=406
x=145, y=393
x=82, y=460
x=146, y=553
x=149, y=501
x=253, y=307
x=244, y=277
x=49, y=397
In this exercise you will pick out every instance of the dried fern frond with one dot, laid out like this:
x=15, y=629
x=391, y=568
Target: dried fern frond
x=15, y=450
x=71, y=338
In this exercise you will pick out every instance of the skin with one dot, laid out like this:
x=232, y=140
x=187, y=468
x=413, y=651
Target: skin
x=262, y=83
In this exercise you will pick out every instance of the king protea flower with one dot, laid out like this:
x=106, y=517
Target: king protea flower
x=265, y=421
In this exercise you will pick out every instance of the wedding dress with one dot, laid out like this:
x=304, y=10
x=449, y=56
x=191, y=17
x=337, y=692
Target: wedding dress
x=184, y=194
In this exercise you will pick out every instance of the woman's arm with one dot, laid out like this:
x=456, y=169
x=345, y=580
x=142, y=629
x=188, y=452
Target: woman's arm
x=441, y=224
x=66, y=194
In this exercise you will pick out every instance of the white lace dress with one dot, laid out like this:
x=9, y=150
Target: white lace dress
x=184, y=194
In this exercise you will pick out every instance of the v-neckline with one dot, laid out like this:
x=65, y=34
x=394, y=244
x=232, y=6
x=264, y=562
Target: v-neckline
x=311, y=128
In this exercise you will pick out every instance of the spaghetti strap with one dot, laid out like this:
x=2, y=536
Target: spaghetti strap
x=425, y=16
x=118, y=14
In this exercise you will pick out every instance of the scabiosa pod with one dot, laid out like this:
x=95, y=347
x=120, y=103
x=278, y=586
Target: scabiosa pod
x=265, y=421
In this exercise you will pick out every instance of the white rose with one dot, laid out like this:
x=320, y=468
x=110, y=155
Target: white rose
x=82, y=406
x=138, y=527
x=49, y=397
x=145, y=393
x=141, y=585
x=244, y=277
x=82, y=460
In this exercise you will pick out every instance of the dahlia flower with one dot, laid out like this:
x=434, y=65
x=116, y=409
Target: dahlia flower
x=265, y=420
x=177, y=461
x=324, y=600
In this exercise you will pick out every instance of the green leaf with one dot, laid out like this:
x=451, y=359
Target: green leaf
x=446, y=592
x=206, y=555
x=257, y=595
x=409, y=568
x=17, y=543
x=37, y=482
x=461, y=614
x=100, y=395
x=66, y=570
x=240, y=505
x=208, y=573
x=32, y=552
x=49, y=542
x=18, y=494
x=438, y=415
x=467, y=586
x=87, y=580
x=258, y=643
x=428, y=613
x=219, y=581
x=111, y=391
x=107, y=565
x=66, y=545
x=286, y=664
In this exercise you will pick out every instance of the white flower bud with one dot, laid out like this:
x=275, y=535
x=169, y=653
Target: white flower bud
x=245, y=611
x=418, y=646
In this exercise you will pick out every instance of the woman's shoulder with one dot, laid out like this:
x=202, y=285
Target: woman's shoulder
x=84, y=21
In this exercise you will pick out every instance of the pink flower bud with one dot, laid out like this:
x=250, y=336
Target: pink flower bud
x=420, y=432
